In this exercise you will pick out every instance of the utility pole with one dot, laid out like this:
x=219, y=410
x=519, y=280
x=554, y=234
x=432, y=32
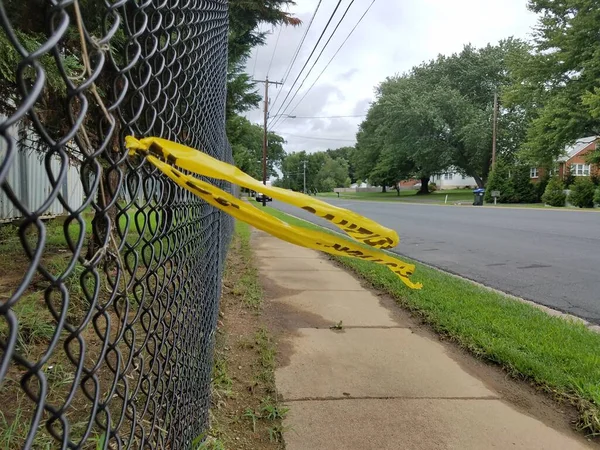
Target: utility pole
x=304, y=172
x=265, y=142
x=494, y=131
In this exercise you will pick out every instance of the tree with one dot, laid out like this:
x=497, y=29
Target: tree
x=333, y=173
x=346, y=153
x=555, y=193
x=438, y=116
x=582, y=193
x=246, y=141
x=524, y=189
x=244, y=34
x=558, y=82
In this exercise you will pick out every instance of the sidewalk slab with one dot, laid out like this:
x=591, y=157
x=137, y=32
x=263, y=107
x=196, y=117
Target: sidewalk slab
x=353, y=308
x=372, y=362
x=338, y=281
x=289, y=251
x=298, y=265
x=374, y=385
x=418, y=424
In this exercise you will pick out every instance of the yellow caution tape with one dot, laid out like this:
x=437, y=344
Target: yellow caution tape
x=357, y=227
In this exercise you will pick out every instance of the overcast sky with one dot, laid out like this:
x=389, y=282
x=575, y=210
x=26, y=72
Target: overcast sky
x=393, y=37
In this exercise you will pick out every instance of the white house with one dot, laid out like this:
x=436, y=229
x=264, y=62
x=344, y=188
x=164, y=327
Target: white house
x=453, y=180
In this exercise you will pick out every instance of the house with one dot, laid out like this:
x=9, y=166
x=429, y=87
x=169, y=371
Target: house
x=452, y=179
x=447, y=180
x=574, y=160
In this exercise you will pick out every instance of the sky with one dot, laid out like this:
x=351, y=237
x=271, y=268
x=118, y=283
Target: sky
x=393, y=37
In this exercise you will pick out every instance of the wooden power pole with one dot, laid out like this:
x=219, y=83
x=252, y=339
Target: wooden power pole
x=265, y=141
x=494, y=130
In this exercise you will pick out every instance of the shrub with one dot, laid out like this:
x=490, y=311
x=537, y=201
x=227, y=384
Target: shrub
x=524, y=189
x=432, y=187
x=497, y=181
x=582, y=193
x=554, y=194
x=597, y=196
x=540, y=187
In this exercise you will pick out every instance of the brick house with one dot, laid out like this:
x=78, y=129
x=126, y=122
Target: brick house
x=574, y=160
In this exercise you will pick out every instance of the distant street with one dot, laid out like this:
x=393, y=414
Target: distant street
x=548, y=256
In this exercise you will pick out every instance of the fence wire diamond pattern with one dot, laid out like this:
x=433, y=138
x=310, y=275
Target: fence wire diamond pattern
x=108, y=313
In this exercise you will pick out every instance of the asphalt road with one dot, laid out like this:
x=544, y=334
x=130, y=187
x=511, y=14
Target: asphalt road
x=548, y=256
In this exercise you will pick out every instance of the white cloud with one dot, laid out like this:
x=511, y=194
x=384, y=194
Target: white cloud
x=393, y=37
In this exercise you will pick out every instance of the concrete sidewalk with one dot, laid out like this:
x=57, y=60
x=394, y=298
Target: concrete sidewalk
x=378, y=383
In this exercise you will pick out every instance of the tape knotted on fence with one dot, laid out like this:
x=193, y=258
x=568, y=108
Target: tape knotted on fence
x=371, y=238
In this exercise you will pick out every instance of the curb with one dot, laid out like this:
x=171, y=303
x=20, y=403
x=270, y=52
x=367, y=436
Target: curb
x=526, y=208
x=550, y=311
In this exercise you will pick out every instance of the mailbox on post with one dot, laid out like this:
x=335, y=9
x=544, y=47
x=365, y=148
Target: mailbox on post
x=495, y=194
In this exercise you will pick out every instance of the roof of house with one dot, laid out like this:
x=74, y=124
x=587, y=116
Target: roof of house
x=580, y=144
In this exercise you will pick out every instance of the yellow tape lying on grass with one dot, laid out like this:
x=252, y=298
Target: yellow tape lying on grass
x=357, y=227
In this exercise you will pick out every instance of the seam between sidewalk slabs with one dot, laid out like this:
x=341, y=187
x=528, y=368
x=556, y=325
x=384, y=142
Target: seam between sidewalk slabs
x=348, y=397
x=550, y=311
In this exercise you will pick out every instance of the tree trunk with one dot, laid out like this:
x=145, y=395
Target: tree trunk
x=383, y=189
x=398, y=189
x=424, y=186
x=100, y=227
x=479, y=181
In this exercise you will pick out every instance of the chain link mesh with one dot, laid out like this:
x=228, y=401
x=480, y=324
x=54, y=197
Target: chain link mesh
x=108, y=314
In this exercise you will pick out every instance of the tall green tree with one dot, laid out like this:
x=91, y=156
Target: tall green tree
x=346, y=153
x=439, y=115
x=332, y=174
x=559, y=81
x=245, y=16
x=246, y=141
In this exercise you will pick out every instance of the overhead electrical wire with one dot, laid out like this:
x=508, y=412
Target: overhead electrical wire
x=310, y=56
x=319, y=139
x=327, y=65
x=274, y=122
x=276, y=44
x=297, y=52
x=324, y=117
x=256, y=56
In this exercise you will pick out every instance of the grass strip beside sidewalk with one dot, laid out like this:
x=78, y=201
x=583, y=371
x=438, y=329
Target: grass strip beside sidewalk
x=561, y=356
x=246, y=413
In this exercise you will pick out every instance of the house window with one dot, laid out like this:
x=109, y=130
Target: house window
x=448, y=176
x=580, y=170
x=533, y=172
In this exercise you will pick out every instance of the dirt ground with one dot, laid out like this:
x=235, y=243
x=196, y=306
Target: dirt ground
x=245, y=413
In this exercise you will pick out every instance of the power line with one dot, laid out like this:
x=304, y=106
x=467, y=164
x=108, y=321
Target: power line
x=297, y=52
x=274, y=50
x=310, y=56
x=276, y=44
x=332, y=58
x=320, y=139
x=256, y=55
x=324, y=117
x=316, y=60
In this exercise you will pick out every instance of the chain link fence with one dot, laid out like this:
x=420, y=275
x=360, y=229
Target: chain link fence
x=108, y=313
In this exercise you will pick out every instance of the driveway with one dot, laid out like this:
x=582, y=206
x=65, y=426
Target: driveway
x=551, y=257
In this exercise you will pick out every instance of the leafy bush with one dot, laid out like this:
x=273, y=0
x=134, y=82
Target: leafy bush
x=597, y=196
x=513, y=182
x=432, y=187
x=524, y=189
x=582, y=193
x=554, y=194
x=497, y=181
x=540, y=187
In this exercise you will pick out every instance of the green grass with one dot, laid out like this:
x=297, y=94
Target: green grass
x=410, y=196
x=247, y=285
x=559, y=355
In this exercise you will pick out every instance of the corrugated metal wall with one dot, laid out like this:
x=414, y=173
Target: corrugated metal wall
x=28, y=179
